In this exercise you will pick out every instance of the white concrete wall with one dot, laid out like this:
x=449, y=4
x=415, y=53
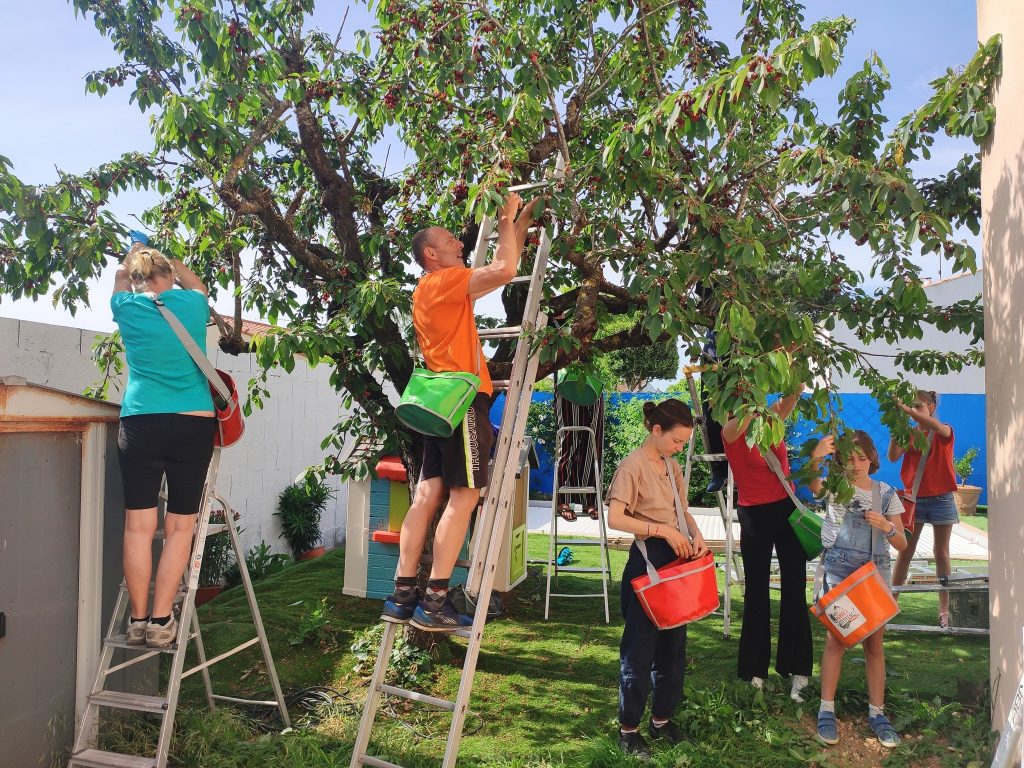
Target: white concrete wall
x=943, y=292
x=1002, y=234
x=279, y=443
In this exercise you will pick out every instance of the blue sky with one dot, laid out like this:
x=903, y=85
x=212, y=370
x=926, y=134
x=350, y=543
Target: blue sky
x=49, y=121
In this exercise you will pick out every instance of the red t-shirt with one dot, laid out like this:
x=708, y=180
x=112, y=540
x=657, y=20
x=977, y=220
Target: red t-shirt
x=939, y=475
x=756, y=482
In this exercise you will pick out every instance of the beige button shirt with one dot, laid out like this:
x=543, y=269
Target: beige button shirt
x=644, y=487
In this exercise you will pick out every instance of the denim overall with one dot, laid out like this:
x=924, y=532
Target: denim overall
x=857, y=542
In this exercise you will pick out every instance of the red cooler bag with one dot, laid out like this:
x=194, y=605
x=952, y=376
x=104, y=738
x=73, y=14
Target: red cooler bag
x=680, y=592
x=230, y=426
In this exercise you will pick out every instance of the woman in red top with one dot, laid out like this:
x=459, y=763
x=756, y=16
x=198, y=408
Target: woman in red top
x=935, y=503
x=763, y=511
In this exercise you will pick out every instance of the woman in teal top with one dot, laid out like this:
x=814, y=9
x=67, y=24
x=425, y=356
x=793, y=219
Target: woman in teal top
x=167, y=428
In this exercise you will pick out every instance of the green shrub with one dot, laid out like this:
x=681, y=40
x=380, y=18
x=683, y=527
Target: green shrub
x=260, y=562
x=299, y=507
x=314, y=624
x=409, y=665
x=964, y=466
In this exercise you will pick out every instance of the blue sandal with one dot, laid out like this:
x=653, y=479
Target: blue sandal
x=883, y=729
x=828, y=728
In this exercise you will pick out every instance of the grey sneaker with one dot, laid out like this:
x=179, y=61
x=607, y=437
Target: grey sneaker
x=135, y=633
x=162, y=636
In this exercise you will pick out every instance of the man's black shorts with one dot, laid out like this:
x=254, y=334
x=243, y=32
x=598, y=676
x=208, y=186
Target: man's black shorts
x=154, y=444
x=461, y=460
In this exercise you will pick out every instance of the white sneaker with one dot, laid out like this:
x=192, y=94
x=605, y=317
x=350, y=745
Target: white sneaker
x=757, y=682
x=162, y=636
x=799, y=683
x=135, y=632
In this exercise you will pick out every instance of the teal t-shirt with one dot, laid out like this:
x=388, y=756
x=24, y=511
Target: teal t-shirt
x=162, y=377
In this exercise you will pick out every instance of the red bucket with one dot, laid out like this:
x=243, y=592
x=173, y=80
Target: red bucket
x=856, y=607
x=230, y=426
x=908, y=511
x=684, y=591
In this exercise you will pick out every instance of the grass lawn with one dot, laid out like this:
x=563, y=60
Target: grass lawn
x=545, y=692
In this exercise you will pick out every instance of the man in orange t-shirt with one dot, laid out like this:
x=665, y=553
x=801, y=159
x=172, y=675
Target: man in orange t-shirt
x=442, y=314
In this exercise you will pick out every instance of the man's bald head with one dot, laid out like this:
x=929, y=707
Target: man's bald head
x=425, y=238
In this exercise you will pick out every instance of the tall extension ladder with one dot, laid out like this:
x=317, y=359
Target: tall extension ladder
x=84, y=753
x=555, y=543
x=493, y=517
x=733, y=564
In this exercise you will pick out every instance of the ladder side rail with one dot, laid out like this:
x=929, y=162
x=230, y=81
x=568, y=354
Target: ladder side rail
x=88, y=726
x=257, y=617
x=188, y=608
x=483, y=241
x=486, y=585
x=373, y=695
x=201, y=658
x=606, y=568
x=510, y=438
x=553, y=533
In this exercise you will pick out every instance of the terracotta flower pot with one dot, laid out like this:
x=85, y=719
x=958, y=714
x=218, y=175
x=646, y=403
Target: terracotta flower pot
x=311, y=554
x=206, y=594
x=966, y=498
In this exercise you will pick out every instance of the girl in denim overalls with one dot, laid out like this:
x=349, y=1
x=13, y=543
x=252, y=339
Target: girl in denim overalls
x=851, y=533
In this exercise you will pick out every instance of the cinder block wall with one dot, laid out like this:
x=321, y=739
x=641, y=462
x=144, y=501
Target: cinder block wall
x=280, y=441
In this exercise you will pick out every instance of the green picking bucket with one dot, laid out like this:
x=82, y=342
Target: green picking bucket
x=807, y=527
x=579, y=387
x=436, y=403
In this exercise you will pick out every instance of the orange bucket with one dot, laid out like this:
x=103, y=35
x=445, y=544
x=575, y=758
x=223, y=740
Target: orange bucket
x=856, y=607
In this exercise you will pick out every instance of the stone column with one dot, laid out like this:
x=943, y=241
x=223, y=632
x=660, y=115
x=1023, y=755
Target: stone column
x=1002, y=210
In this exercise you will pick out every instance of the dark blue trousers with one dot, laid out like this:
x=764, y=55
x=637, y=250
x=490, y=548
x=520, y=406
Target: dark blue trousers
x=652, y=661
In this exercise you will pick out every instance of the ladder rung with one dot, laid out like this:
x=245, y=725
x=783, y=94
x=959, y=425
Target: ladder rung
x=709, y=456
x=494, y=235
x=576, y=489
x=499, y=383
x=376, y=762
x=574, y=569
x=235, y=700
x=502, y=332
x=565, y=594
x=429, y=559
x=580, y=542
x=118, y=641
x=137, y=701
x=422, y=698
x=521, y=279
x=97, y=758
x=463, y=632
x=528, y=186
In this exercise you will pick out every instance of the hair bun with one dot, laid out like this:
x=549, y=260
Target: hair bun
x=649, y=407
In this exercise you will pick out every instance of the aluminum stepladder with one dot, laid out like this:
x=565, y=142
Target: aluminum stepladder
x=555, y=543
x=492, y=517
x=1010, y=749
x=733, y=564
x=84, y=753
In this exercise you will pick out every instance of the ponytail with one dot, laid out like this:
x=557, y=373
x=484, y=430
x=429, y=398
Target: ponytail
x=143, y=262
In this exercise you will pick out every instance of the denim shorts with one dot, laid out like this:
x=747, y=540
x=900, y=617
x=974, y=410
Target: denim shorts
x=937, y=510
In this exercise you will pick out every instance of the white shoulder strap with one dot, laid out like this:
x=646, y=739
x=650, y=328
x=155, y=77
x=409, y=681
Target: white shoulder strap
x=201, y=360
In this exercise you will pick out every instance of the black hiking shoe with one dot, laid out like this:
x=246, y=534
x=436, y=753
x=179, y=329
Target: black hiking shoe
x=670, y=732
x=633, y=743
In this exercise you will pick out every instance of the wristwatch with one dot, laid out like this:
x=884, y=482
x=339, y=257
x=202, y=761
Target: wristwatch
x=889, y=534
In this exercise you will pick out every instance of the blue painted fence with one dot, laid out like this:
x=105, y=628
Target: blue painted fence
x=965, y=413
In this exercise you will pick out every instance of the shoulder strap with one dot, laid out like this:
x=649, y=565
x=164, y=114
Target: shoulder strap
x=652, y=572
x=876, y=504
x=775, y=466
x=919, y=475
x=201, y=360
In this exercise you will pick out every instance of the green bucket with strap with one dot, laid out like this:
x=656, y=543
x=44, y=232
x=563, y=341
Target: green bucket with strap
x=435, y=403
x=807, y=527
x=579, y=387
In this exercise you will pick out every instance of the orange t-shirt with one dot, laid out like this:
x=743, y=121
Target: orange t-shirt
x=442, y=314
x=939, y=476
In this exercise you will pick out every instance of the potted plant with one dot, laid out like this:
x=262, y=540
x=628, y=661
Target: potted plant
x=299, y=506
x=217, y=559
x=966, y=496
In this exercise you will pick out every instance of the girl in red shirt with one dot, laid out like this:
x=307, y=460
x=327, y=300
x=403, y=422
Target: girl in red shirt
x=935, y=503
x=763, y=511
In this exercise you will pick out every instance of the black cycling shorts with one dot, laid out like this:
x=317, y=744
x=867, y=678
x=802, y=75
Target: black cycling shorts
x=461, y=461
x=154, y=444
